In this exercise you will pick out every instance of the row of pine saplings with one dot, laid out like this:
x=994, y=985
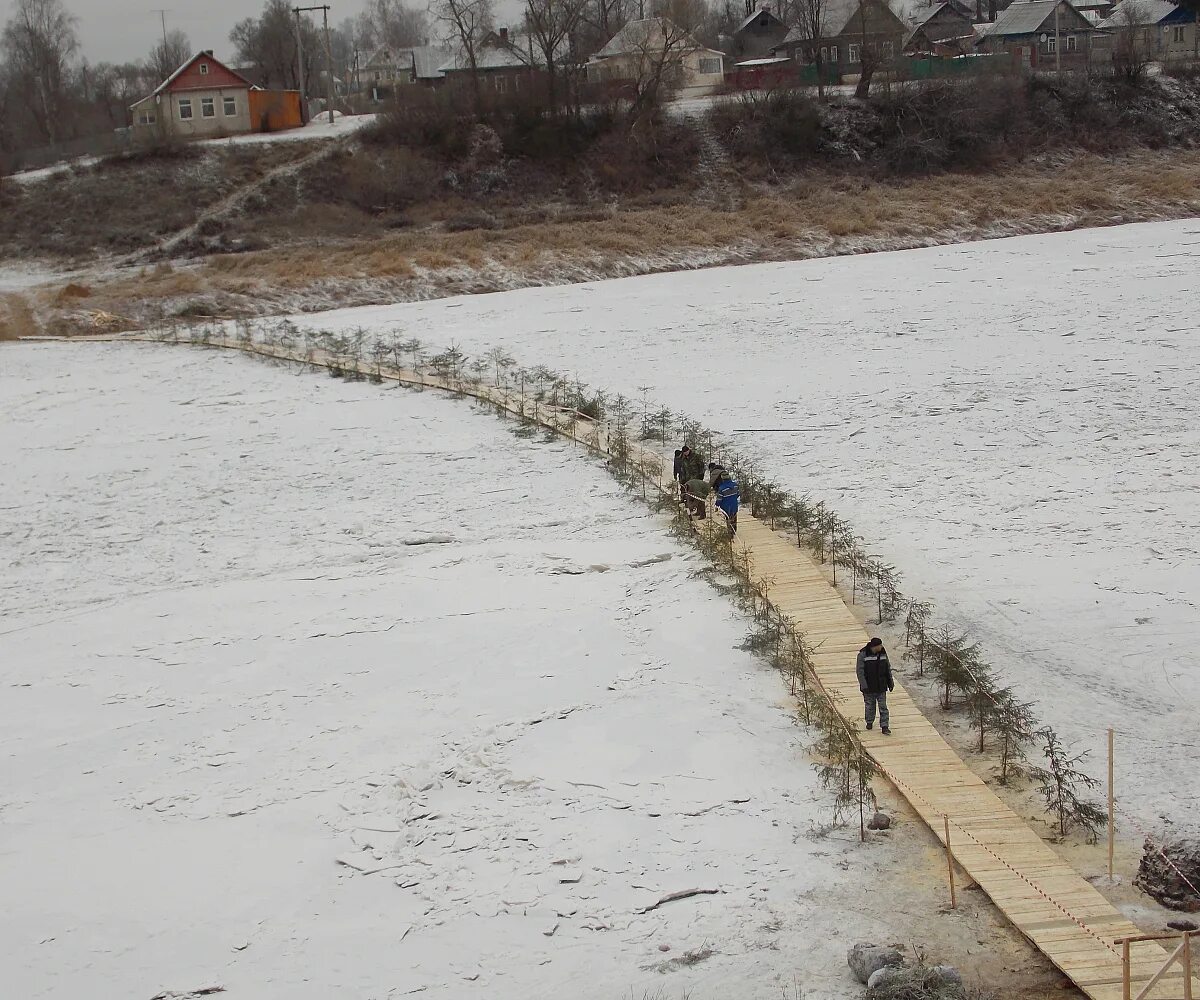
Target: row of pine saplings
x=614, y=424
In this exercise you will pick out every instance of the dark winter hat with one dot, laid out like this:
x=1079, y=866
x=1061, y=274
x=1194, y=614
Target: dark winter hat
x=875, y=642
x=686, y=447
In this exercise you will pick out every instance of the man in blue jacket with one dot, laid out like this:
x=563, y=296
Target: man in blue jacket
x=875, y=681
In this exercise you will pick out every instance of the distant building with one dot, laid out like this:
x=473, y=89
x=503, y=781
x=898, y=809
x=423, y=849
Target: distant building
x=388, y=69
x=1040, y=34
x=204, y=98
x=1153, y=29
x=756, y=36
x=849, y=27
x=506, y=62
x=945, y=29
x=691, y=69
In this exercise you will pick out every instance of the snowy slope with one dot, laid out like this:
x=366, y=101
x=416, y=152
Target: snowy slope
x=1013, y=424
x=257, y=622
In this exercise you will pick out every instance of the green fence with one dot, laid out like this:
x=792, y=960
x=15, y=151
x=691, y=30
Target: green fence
x=940, y=69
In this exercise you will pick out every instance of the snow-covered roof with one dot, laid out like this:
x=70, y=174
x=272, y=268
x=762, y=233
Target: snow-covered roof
x=518, y=50
x=752, y=63
x=650, y=34
x=423, y=60
x=427, y=59
x=1140, y=12
x=751, y=18
x=839, y=13
x=1024, y=17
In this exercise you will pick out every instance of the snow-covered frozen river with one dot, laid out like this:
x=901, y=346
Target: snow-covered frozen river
x=1014, y=424
x=319, y=690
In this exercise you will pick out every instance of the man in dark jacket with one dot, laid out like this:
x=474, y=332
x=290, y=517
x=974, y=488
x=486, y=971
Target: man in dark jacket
x=875, y=681
x=691, y=464
x=677, y=471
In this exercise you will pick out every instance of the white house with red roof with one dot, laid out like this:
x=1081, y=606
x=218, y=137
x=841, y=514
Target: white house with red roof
x=202, y=98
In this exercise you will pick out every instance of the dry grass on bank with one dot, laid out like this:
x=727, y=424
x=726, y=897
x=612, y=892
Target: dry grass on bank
x=16, y=317
x=815, y=214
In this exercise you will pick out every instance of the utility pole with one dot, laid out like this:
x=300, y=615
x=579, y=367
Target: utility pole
x=162, y=16
x=329, y=86
x=324, y=9
x=1057, y=45
x=300, y=66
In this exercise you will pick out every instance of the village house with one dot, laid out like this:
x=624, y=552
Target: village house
x=759, y=33
x=507, y=62
x=1152, y=29
x=851, y=27
x=1040, y=34
x=390, y=69
x=637, y=49
x=946, y=29
x=204, y=98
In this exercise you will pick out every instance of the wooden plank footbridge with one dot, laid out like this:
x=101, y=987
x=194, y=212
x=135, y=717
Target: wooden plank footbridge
x=1084, y=935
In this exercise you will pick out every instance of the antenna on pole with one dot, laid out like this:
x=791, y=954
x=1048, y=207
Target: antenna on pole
x=162, y=16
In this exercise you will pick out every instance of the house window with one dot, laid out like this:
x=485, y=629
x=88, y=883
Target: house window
x=889, y=50
x=230, y=107
x=208, y=107
x=204, y=69
x=147, y=118
x=185, y=108
x=1177, y=33
x=710, y=66
x=1051, y=44
x=378, y=77
x=855, y=52
x=830, y=54
x=501, y=85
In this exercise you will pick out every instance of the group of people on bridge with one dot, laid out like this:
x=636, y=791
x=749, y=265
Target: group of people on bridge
x=696, y=481
x=695, y=486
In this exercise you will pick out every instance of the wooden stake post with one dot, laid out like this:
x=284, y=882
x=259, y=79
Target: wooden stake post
x=1112, y=824
x=950, y=863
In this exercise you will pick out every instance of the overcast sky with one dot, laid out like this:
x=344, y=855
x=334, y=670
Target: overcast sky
x=125, y=30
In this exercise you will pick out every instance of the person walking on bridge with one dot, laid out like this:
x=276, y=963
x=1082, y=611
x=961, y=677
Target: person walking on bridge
x=875, y=681
x=728, y=495
x=691, y=464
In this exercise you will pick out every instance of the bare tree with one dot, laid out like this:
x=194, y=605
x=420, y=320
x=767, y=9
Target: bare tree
x=394, y=24
x=467, y=22
x=552, y=25
x=268, y=44
x=169, y=54
x=653, y=50
x=601, y=20
x=39, y=44
x=811, y=21
x=870, y=55
x=1131, y=49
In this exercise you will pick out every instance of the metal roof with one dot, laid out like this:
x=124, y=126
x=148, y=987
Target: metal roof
x=191, y=59
x=1139, y=12
x=648, y=35
x=1024, y=17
